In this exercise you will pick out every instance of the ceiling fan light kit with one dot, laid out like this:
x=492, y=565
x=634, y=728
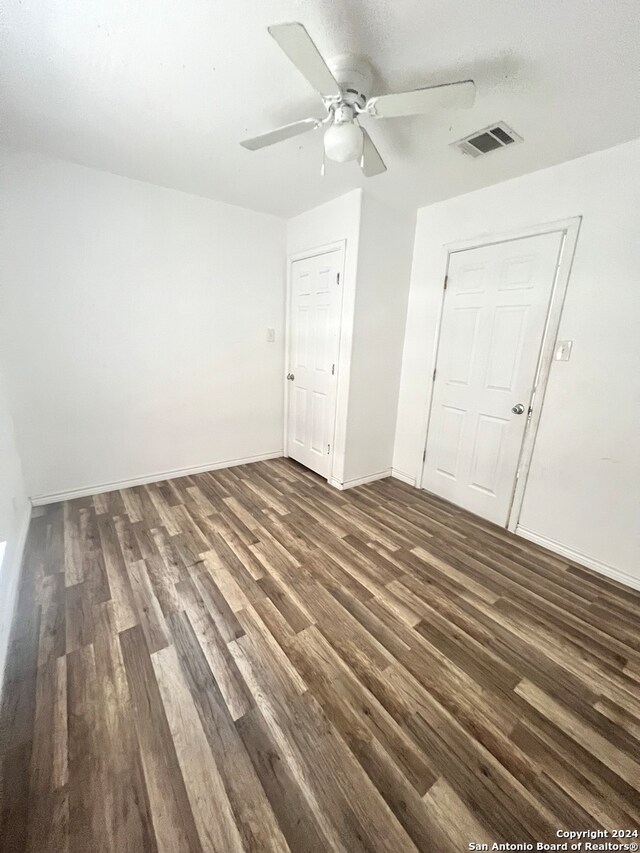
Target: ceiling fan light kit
x=343, y=138
x=344, y=89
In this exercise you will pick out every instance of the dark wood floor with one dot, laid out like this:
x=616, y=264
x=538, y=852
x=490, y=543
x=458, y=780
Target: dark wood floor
x=252, y=660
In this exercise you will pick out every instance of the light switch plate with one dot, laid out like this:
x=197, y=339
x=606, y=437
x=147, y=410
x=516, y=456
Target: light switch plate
x=271, y=335
x=563, y=351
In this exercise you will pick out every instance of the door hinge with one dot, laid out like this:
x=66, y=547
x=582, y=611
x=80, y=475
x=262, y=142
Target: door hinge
x=434, y=372
x=328, y=449
x=424, y=454
x=446, y=281
x=337, y=278
x=333, y=370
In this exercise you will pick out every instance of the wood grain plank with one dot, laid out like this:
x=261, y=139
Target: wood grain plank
x=255, y=819
x=210, y=805
x=123, y=788
x=87, y=820
x=295, y=815
x=119, y=581
x=150, y=615
x=173, y=820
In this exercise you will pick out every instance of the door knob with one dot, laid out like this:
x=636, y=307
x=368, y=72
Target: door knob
x=290, y=376
x=518, y=409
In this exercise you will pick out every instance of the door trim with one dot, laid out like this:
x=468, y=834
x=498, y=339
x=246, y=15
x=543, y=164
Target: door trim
x=569, y=229
x=337, y=246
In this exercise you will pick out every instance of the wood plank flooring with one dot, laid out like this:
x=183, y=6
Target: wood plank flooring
x=250, y=660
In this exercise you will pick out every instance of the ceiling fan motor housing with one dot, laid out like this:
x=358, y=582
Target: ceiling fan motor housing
x=354, y=75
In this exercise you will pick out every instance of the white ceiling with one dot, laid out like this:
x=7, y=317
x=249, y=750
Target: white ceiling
x=163, y=91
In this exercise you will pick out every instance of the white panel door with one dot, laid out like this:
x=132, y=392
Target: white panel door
x=314, y=331
x=494, y=315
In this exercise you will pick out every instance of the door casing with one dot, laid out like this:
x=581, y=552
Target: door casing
x=340, y=246
x=569, y=229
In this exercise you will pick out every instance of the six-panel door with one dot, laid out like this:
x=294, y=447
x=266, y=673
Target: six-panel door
x=494, y=316
x=313, y=353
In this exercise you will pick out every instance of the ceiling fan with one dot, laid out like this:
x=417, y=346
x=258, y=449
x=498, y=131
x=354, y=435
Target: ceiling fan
x=344, y=89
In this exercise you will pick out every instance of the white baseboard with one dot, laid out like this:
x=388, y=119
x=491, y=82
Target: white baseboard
x=578, y=557
x=360, y=481
x=11, y=574
x=98, y=489
x=406, y=478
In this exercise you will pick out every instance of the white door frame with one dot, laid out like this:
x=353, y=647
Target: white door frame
x=338, y=246
x=569, y=228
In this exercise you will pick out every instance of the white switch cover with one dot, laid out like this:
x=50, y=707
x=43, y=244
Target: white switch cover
x=563, y=350
x=271, y=335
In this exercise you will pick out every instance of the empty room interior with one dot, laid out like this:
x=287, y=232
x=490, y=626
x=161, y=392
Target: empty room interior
x=319, y=426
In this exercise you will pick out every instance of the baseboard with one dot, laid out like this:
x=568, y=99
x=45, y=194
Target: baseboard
x=406, y=478
x=360, y=481
x=98, y=489
x=578, y=557
x=10, y=593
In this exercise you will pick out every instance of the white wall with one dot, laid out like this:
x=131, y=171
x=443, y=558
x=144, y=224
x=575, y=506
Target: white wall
x=382, y=290
x=583, y=490
x=329, y=223
x=133, y=326
x=14, y=518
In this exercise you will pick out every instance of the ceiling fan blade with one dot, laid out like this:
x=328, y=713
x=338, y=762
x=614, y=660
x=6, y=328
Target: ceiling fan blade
x=448, y=96
x=281, y=133
x=299, y=47
x=371, y=162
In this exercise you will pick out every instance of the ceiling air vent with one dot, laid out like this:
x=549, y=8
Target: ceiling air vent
x=489, y=139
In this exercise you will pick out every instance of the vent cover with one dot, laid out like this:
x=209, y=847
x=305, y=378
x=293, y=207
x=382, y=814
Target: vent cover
x=491, y=138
